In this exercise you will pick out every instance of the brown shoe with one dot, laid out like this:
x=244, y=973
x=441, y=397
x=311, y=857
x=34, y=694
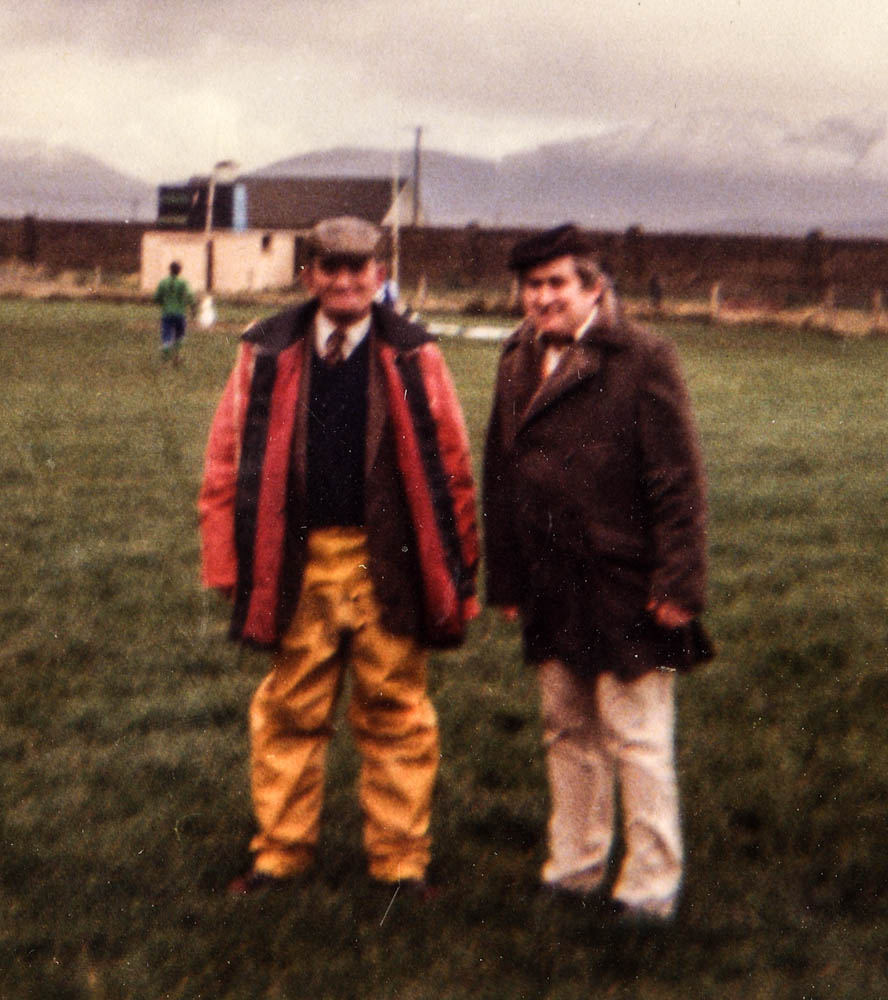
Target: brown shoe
x=255, y=882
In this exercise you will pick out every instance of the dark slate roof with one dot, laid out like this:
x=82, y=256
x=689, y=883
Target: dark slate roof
x=300, y=202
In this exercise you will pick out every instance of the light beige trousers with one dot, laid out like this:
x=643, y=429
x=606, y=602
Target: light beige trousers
x=606, y=737
x=337, y=627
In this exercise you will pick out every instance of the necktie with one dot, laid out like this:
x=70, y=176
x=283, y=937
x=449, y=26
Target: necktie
x=334, y=351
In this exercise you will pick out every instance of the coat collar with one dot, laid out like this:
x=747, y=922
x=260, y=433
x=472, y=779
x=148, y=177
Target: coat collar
x=581, y=361
x=278, y=332
x=607, y=328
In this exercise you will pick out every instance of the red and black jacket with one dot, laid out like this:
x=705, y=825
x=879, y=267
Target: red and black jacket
x=420, y=517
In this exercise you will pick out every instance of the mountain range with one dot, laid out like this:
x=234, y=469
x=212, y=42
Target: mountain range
x=56, y=182
x=708, y=172
x=705, y=173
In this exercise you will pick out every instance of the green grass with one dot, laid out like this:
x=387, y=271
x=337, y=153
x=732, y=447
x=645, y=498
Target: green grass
x=125, y=808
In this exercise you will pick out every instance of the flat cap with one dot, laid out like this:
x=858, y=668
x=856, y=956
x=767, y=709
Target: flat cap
x=563, y=241
x=344, y=236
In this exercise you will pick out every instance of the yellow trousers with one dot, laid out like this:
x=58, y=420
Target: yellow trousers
x=337, y=626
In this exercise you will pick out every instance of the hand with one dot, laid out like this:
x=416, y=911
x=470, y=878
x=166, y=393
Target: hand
x=471, y=608
x=667, y=614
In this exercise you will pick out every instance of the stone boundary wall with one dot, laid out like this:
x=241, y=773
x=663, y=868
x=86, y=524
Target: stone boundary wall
x=771, y=271
x=63, y=245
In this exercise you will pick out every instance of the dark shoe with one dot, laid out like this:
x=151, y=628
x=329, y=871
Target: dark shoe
x=594, y=903
x=584, y=885
x=256, y=882
x=419, y=889
x=412, y=888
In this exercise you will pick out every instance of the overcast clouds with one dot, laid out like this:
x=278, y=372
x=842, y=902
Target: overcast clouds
x=162, y=90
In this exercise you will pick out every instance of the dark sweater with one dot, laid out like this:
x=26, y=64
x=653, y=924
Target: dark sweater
x=337, y=425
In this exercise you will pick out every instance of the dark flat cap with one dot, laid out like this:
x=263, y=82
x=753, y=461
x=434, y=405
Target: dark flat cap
x=563, y=241
x=344, y=236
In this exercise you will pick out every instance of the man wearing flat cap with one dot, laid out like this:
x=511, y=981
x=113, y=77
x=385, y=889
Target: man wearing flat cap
x=595, y=516
x=338, y=514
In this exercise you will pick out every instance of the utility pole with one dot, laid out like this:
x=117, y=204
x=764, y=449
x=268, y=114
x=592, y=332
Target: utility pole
x=417, y=168
x=208, y=231
x=224, y=169
x=396, y=220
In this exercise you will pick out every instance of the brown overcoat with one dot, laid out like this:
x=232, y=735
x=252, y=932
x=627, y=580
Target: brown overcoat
x=594, y=499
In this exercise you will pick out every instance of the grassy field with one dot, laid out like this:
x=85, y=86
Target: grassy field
x=125, y=808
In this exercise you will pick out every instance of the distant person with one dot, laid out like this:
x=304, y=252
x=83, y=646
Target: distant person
x=338, y=513
x=175, y=298
x=389, y=294
x=595, y=538
x=655, y=292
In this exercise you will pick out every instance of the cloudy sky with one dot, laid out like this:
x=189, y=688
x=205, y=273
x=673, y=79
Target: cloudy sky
x=164, y=89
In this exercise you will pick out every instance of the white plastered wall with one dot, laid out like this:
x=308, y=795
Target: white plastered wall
x=252, y=261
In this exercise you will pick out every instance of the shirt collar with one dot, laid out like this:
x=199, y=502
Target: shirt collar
x=354, y=333
x=588, y=322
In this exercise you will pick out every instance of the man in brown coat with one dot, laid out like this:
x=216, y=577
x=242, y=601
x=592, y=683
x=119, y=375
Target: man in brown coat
x=595, y=533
